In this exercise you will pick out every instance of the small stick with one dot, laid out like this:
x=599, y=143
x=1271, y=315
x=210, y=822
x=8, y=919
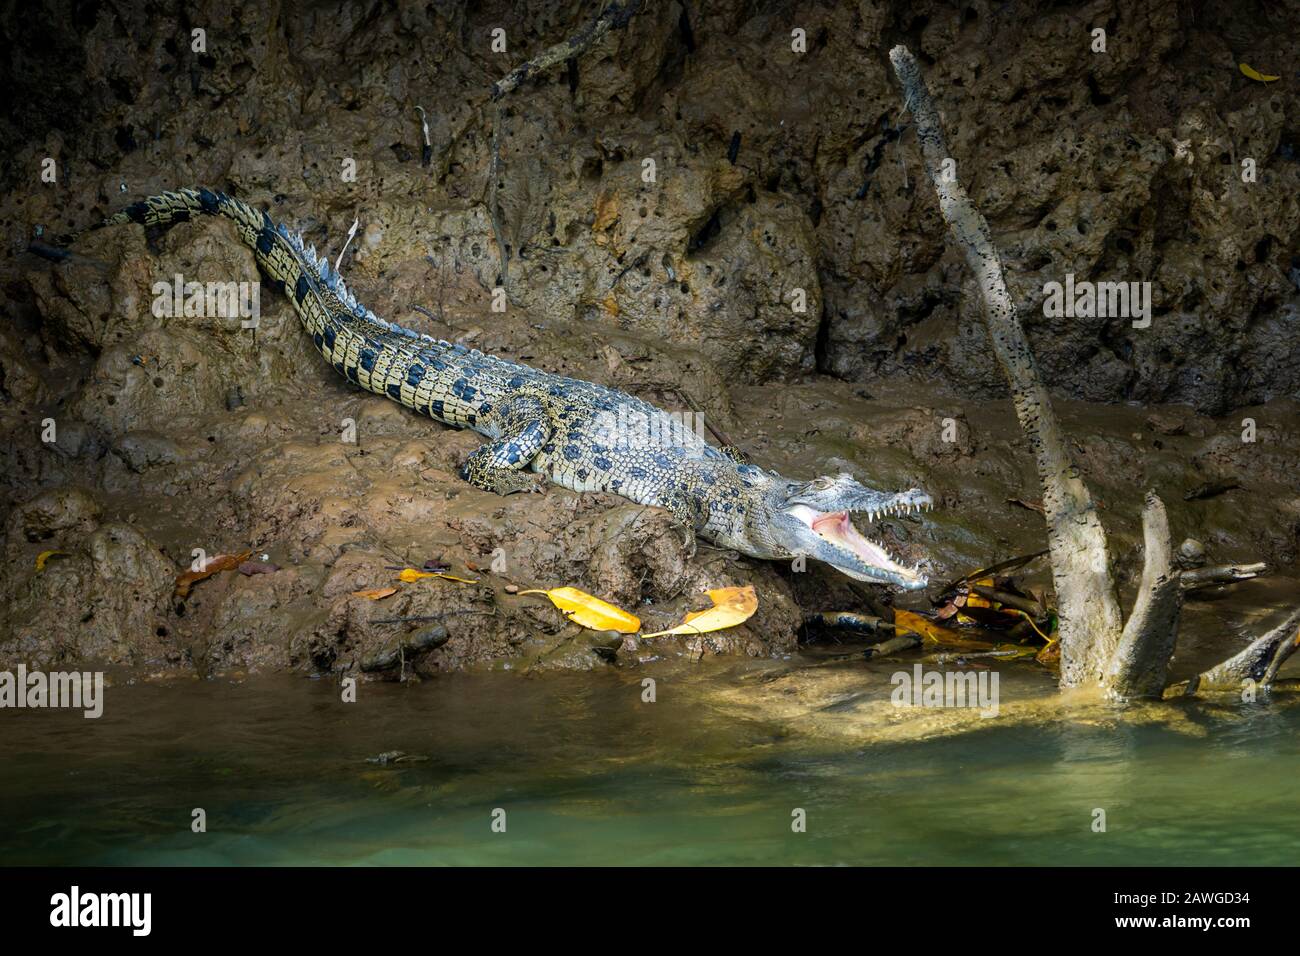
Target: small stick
x=1222, y=574
x=351, y=232
x=615, y=17
x=1010, y=600
x=849, y=621
x=426, y=154
x=903, y=642
x=494, y=208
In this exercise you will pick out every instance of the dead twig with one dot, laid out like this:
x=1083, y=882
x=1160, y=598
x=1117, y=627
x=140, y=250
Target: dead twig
x=614, y=17
x=1221, y=574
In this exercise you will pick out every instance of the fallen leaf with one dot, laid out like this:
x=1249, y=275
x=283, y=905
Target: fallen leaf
x=410, y=574
x=46, y=555
x=1049, y=653
x=731, y=606
x=1254, y=74
x=1027, y=505
x=924, y=627
x=374, y=594
x=591, y=612
x=220, y=562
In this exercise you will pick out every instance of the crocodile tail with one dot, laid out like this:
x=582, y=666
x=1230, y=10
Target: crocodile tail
x=382, y=357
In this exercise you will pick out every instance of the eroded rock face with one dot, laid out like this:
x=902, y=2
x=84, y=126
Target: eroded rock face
x=695, y=214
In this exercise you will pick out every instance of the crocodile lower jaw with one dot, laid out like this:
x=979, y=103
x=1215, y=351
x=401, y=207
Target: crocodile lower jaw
x=837, y=529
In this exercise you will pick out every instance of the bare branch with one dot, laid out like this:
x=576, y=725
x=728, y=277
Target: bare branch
x=1259, y=662
x=1089, y=611
x=1221, y=574
x=615, y=17
x=1140, y=664
x=493, y=200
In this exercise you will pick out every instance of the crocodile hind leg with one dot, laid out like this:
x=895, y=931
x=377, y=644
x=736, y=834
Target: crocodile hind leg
x=521, y=427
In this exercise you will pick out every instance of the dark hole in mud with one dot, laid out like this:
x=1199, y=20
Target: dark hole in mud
x=122, y=90
x=1263, y=248
x=706, y=233
x=84, y=14
x=1095, y=96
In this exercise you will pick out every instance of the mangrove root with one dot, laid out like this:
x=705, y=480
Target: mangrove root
x=1096, y=648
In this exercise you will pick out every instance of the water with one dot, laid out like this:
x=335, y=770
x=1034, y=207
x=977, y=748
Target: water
x=586, y=772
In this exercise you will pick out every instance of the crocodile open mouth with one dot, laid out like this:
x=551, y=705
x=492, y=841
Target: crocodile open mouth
x=857, y=554
x=836, y=528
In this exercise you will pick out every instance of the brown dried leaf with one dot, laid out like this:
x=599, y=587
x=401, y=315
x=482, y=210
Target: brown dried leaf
x=220, y=562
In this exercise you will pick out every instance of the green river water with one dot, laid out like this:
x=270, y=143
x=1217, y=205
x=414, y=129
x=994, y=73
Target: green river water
x=586, y=772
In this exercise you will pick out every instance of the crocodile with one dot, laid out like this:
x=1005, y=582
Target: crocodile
x=540, y=427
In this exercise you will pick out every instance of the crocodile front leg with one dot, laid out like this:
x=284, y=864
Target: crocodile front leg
x=521, y=426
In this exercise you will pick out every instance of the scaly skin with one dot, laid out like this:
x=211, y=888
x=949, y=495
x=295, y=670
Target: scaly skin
x=540, y=427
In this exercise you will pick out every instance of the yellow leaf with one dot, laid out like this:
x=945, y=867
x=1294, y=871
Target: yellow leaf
x=731, y=606
x=581, y=608
x=45, y=556
x=1254, y=74
x=924, y=627
x=410, y=574
x=375, y=593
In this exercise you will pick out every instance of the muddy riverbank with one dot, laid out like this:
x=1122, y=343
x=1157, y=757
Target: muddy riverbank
x=133, y=439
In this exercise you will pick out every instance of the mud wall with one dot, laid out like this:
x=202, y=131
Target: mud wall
x=661, y=203
x=1122, y=165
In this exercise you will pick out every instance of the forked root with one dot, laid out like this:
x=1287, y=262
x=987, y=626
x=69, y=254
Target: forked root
x=1128, y=661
